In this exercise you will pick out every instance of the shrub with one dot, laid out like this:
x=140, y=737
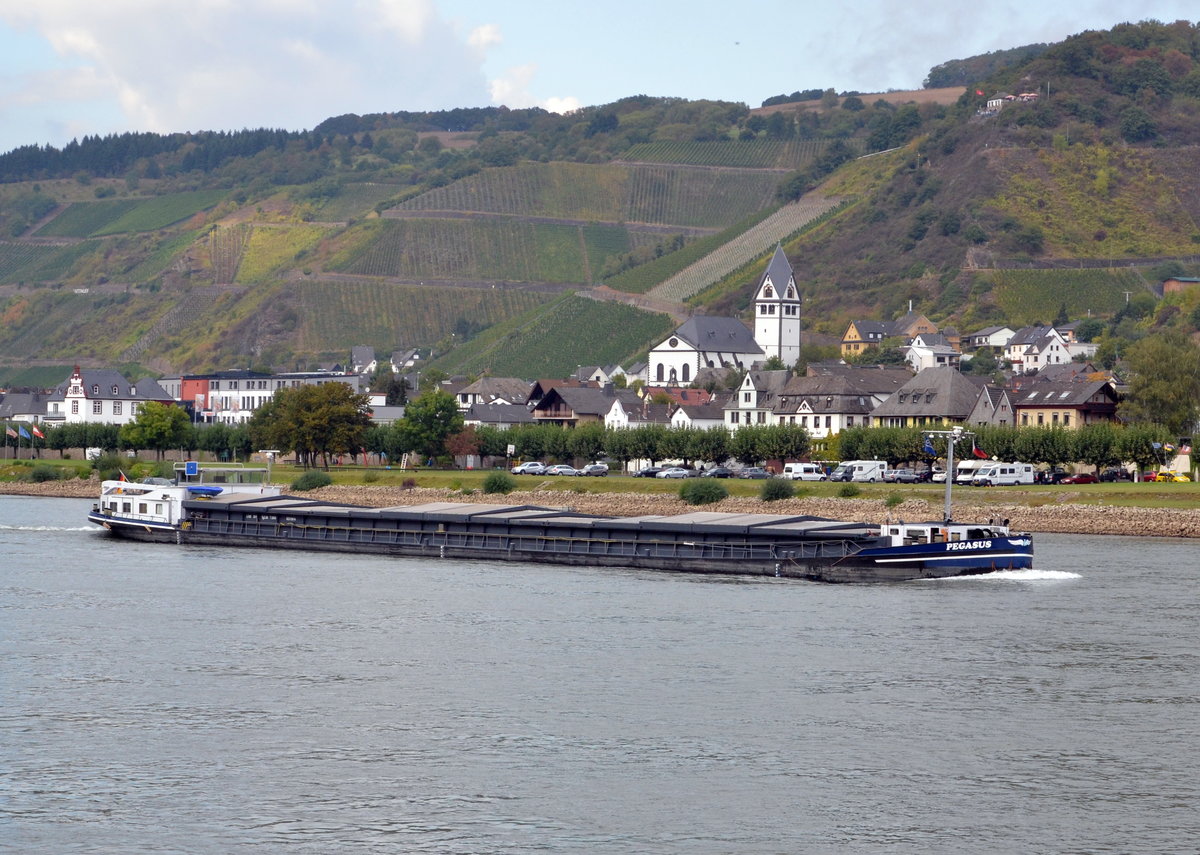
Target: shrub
x=849, y=491
x=408, y=483
x=702, y=491
x=370, y=476
x=893, y=499
x=44, y=472
x=774, y=489
x=311, y=480
x=499, y=482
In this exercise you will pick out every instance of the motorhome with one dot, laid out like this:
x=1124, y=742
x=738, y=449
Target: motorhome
x=965, y=472
x=803, y=472
x=1004, y=474
x=860, y=470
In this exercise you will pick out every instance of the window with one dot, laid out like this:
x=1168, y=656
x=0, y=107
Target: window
x=1024, y=418
x=733, y=418
x=849, y=421
x=687, y=373
x=762, y=417
x=1066, y=419
x=768, y=291
x=95, y=389
x=116, y=408
x=97, y=407
x=75, y=407
x=747, y=397
x=804, y=421
x=1041, y=418
x=660, y=373
x=828, y=422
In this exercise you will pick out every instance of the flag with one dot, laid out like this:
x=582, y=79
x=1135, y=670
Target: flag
x=8, y=430
x=122, y=478
x=978, y=452
x=978, y=91
x=37, y=432
x=929, y=449
x=24, y=433
x=1156, y=445
x=1185, y=449
x=1168, y=447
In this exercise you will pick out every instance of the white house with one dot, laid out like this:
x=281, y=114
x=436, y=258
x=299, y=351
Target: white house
x=930, y=350
x=102, y=396
x=702, y=342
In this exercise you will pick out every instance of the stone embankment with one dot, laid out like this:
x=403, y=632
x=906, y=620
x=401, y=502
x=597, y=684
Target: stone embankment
x=1060, y=517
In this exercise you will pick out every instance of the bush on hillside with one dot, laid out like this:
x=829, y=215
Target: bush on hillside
x=499, y=482
x=44, y=472
x=774, y=489
x=703, y=491
x=311, y=480
x=849, y=491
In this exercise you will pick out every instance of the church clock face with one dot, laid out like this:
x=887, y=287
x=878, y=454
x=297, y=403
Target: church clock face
x=674, y=342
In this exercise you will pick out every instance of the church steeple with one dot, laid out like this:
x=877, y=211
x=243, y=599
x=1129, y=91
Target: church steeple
x=777, y=310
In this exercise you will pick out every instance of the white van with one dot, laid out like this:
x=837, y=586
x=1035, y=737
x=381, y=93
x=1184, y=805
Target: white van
x=965, y=472
x=869, y=471
x=803, y=472
x=1004, y=474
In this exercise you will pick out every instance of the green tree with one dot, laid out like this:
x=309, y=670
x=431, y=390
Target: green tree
x=428, y=421
x=1164, y=383
x=312, y=421
x=156, y=427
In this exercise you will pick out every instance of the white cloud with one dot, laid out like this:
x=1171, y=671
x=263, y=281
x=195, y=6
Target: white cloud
x=513, y=91
x=221, y=64
x=485, y=36
x=568, y=104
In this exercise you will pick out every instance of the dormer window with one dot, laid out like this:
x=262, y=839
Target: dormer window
x=114, y=391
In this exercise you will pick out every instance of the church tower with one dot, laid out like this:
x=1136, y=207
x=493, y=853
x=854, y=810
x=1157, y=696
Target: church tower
x=777, y=311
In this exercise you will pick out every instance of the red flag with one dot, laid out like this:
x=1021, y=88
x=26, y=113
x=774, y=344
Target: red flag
x=979, y=452
x=122, y=478
x=978, y=91
x=37, y=432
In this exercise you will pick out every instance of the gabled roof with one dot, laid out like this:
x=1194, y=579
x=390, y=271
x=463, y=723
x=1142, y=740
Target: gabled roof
x=1050, y=394
x=495, y=414
x=712, y=411
x=940, y=392
x=725, y=335
x=932, y=340
x=511, y=389
x=589, y=400
x=1028, y=335
x=16, y=404
x=873, y=329
x=150, y=390
x=779, y=272
x=865, y=379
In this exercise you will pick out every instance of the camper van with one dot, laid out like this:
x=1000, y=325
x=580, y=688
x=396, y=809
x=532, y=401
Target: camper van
x=860, y=470
x=965, y=472
x=1003, y=474
x=803, y=472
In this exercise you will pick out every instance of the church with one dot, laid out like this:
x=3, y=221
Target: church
x=708, y=342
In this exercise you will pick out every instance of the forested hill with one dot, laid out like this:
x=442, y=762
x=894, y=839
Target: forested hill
x=468, y=230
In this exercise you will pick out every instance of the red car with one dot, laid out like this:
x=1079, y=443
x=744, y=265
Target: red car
x=1081, y=478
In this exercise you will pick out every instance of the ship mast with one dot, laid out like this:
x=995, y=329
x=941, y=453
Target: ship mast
x=952, y=437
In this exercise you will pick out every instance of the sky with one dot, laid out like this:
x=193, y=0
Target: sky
x=70, y=68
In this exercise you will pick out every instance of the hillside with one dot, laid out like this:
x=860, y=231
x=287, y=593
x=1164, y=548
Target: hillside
x=283, y=249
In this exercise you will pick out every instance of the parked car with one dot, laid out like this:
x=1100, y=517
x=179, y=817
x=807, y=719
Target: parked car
x=1081, y=478
x=529, y=467
x=904, y=476
x=676, y=472
x=938, y=477
x=561, y=469
x=648, y=472
x=717, y=472
x=596, y=469
x=1116, y=473
x=1149, y=476
x=754, y=472
x=1172, y=476
x=924, y=476
x=1049, y=476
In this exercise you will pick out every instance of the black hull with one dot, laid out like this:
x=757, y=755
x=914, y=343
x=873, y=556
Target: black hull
x=822, y=564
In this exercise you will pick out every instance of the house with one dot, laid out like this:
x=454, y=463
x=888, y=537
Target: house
x=362, y=359
x=404, y=360
x=828, y=401
x=679, y=395
x=1175, y=284
x=1065, y=404
x=499, y=416
x=994, y=337
x=1031, y=348
x=934, y=396
x=699, y=416
x=929, y=350
x=754, y=401
x=861, y=335
x=702, y=342
x=493, y=390
x=993, y=407
x=629, y=412
x=27, y=407
x=575, y=405
x=101, y=395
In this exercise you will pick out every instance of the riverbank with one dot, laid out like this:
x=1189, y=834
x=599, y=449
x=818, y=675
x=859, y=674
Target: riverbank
x=1061, y=517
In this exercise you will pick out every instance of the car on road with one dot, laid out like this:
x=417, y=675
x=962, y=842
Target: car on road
x=754, y=472
x=561, y=469
x=529, y=467
x=717, y=472
x=1081, y=478
x=648, y=472
x=676, y=472
x=595, y=469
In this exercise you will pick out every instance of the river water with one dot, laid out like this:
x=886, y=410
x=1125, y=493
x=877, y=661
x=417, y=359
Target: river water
x=164, y=699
